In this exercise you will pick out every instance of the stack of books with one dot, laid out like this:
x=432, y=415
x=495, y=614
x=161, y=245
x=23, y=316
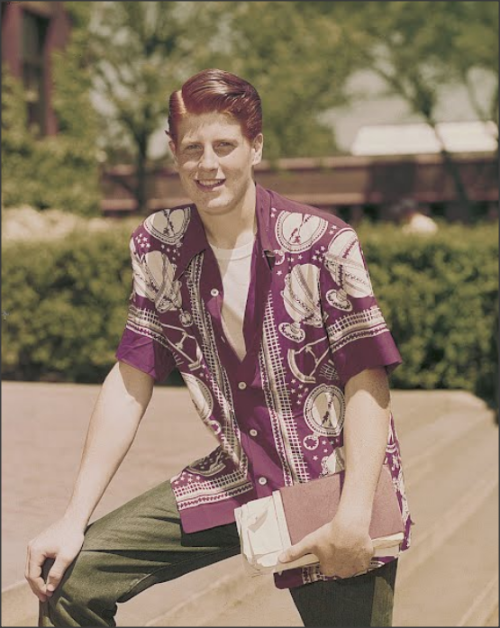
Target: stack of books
x=270, y=525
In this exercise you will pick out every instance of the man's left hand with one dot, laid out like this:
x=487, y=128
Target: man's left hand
x=344, y=548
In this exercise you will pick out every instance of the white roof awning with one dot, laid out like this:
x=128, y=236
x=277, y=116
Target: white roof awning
x=412, y=139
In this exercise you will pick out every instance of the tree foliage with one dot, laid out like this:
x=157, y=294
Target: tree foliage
x=419, y=49
x=298, y=54
x=299, y=63
x=62, y=170
x=475, y=49
x=295, y=59
x=151, y=56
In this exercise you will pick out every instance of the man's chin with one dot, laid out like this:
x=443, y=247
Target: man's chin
x=217, y=204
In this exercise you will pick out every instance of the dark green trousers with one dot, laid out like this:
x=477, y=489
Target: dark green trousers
x=142, y=543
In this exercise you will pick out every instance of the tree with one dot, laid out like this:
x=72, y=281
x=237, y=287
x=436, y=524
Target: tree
x=299, y=63
x=418, y=48
x=152, y=53
x=474, y=48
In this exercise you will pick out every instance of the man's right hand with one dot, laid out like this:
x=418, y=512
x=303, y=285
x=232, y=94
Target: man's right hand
x=62, y=541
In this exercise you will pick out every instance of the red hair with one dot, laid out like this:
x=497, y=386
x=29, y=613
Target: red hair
x=216, y=90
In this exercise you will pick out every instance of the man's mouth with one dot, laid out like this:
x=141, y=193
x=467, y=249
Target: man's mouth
x=209, y=184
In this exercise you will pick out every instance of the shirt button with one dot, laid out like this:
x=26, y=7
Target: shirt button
x=242, y=385
x=262, y=481
x=214, y=292
x=253, y=432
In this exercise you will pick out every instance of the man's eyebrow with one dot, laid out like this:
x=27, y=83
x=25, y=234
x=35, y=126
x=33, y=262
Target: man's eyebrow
x=218, y=139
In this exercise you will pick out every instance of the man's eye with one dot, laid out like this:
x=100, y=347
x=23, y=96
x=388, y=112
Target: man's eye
x=224, y=145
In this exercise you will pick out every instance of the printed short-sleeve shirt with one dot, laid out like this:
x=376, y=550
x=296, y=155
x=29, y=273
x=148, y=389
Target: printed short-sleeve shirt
x=311, y=322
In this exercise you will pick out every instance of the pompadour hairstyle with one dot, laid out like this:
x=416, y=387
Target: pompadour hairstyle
x=216, y=90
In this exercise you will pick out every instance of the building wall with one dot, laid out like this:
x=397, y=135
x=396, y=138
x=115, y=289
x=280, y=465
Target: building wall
x=348, y=185
x=56, y=38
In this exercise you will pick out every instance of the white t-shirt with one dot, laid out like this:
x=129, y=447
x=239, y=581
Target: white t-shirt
x=235, y=267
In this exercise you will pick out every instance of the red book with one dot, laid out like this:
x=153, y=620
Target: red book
x=310, y=505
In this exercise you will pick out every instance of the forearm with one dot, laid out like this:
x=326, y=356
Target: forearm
x=113, y=425
x=366, y=429
x=343, y=545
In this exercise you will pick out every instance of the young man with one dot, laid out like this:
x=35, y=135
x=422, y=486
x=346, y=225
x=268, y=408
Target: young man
x=266, y=308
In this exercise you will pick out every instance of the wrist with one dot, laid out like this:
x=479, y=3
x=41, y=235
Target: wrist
x=356, y=516
x=75, y=519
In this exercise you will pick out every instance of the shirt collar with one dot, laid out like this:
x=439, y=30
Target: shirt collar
x=195, y=239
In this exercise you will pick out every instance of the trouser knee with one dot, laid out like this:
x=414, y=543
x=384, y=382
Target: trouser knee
x=85, y=595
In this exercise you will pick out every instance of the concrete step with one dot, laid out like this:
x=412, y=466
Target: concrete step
x=450, y=486
x=182, y=599
x=493, y=619
x=19, y=606
x=414, y=409
x=458, y=584
x=424, y=442
x=264, y=605
x=179, y=599
x=217, y=594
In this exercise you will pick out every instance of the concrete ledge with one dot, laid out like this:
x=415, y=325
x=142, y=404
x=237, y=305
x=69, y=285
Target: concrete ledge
x=434, y=426
x=19, y=605
x=483, y=607
x=226, y=591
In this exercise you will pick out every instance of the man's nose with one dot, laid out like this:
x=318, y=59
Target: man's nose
x=209, y=159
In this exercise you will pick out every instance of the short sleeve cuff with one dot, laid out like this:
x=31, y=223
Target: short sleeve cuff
x=367, y=353
x=145, y=354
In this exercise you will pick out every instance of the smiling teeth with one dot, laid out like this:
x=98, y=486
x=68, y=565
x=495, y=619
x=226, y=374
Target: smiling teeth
x=210, y=181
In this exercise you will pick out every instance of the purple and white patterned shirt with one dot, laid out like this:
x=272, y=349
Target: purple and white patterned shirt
x=311, y=322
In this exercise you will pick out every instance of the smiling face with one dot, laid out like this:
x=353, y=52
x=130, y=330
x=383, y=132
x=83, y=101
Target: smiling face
x=214, y=160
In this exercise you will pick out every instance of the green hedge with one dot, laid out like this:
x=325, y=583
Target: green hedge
x=64, y=305
x=439, y=295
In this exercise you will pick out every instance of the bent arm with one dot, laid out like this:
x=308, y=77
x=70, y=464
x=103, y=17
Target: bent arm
x=120, y=406
x=343, y=546
x=366, y=430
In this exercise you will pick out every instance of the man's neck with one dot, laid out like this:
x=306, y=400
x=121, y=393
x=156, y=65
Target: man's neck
x=236, y=228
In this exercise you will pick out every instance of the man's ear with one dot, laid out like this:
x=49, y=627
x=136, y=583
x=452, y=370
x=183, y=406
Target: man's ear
x=257, y=145
x=173, y=151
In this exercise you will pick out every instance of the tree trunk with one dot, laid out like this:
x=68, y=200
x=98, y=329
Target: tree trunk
x=451, y=166
x=141, y=175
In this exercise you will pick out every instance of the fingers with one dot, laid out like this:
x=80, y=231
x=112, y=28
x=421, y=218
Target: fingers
x=33, y=572
x=344, y=573
x=43, y=573
x=343, y=566
x=332, y=563
x=57, y=572
x=295, y=551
